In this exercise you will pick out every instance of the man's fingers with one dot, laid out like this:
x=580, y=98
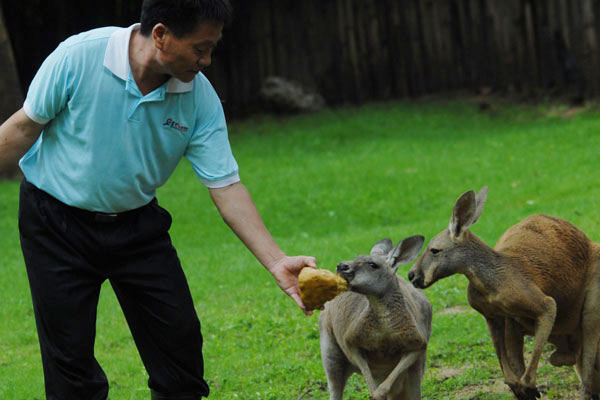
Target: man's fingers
x=298, y=301
x=311, y=262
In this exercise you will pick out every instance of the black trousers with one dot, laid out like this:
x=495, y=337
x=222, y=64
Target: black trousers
x=69, y=253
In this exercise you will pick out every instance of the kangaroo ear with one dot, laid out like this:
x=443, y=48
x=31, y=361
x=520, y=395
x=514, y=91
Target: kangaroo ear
x=382, y=247
x=406, y=251
x=480, y=199
x=464, y=214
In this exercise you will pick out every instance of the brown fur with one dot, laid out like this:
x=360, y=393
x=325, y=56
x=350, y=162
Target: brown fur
x=541, y=279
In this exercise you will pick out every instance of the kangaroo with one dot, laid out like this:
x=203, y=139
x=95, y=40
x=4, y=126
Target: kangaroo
x=541, y=279
x=380, y=327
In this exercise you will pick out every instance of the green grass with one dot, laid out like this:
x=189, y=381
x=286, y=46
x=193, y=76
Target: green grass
x=331, y=185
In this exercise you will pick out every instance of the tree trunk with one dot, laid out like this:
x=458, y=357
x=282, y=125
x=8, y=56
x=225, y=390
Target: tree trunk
x=12, y=97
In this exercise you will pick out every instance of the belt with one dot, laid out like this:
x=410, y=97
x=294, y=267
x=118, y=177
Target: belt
x=92, y=216
x=106, y=218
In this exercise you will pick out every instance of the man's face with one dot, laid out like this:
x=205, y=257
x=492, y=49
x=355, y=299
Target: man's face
x=184, y=57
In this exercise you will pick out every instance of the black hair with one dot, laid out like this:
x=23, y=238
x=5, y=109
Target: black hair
x=183, y=16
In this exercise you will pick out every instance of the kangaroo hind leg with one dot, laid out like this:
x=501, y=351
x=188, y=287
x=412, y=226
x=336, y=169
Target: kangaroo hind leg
x=588, y=364
x=336, y=366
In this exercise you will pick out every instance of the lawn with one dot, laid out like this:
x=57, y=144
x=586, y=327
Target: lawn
x=331, y=185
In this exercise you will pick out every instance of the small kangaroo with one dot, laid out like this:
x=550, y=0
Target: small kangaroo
x=541, y=279
x=380, y=328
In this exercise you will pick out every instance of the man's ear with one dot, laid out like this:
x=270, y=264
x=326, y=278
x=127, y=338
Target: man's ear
x=159, y=35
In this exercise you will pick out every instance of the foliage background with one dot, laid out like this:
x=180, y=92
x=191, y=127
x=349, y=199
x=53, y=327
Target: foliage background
x=352, y=51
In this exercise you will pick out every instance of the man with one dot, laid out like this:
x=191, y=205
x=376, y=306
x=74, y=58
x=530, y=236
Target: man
x=107, y=118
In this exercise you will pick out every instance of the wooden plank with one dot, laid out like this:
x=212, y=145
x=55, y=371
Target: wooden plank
x=495, y=22
x=456, y=44
x=398, y=50
x=381, y=71
x=590, y=44
x=463, y=44
x=427, y=51
x=554, y=29
x=444, y=39
x=359, y=36
x=516, y=47
x=595, y=77
x=434, y=27
x=478, y=36
x=418, y=76
x=542, y=44
x=353, y=51
x=341, y=52
x=530, y=45
x=12, y=97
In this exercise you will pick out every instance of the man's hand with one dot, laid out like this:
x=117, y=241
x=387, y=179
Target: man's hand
x=286, y=270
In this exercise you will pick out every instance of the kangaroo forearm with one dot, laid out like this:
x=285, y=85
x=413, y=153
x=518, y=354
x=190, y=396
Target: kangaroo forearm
x=356, y=358
x=406, y=362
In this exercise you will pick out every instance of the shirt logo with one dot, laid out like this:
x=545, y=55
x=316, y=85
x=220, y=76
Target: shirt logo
x=170, y=123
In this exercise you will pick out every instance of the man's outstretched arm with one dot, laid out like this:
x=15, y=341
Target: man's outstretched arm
x=239, y=212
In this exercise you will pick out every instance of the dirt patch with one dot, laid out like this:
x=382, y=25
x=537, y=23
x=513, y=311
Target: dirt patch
x=447, y=372
x=454, y=310
x=471, y=392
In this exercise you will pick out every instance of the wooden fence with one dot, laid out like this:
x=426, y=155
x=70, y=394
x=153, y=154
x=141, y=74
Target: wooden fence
x=357, y=50
x=352, y=51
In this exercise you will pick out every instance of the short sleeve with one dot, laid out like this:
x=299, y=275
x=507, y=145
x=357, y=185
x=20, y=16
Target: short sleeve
x=49, y=90
x=209, y=150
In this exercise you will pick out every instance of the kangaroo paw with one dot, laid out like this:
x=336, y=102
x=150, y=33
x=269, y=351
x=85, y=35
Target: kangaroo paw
x=524, y=393
x=515, y=388
x=531, y=393
x=378, y=396
x=587, y=396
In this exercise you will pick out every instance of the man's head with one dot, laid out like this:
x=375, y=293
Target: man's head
x=183, y=16
x=184, y=32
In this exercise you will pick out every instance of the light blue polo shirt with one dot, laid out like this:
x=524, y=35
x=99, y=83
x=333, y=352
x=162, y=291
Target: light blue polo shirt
x=106, y=147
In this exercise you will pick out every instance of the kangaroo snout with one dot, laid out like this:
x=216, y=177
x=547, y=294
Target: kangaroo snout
x=418, y=281
x=416, y=276
x=345, y=271
x=342, y=267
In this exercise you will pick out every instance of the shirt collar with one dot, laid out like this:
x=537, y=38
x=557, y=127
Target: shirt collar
x=116, y=59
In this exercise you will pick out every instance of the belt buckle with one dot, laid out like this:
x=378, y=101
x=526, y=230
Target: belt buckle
x=105, y=218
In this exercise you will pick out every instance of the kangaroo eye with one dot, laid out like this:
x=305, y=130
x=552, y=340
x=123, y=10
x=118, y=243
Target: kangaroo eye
x=435, y=251
x=373, y=265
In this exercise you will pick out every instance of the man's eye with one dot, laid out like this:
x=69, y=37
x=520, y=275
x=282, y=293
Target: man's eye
x=202, y=51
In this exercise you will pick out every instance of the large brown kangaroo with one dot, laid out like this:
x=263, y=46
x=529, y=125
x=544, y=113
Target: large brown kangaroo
x=541, y=279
